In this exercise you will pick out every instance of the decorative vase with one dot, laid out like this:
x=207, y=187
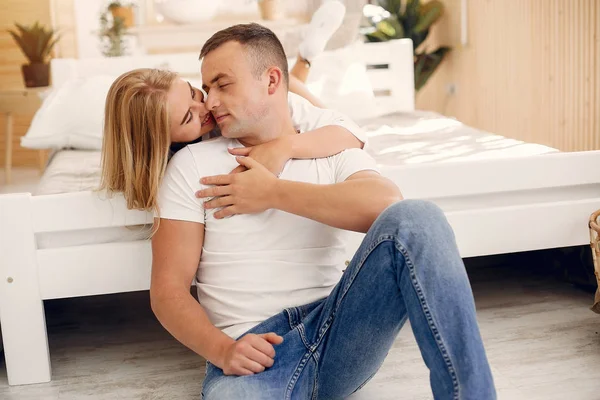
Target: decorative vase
x=271, y=9
x=36, y=74
x=125, y=13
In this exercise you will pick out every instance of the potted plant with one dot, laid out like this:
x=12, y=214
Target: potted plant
x=409, y=19
x=122, y=10
x=36, y=43
x=112, y=35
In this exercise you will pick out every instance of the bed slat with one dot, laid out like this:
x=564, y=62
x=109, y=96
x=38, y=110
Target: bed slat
x=442, y=180
x=497, y=230
x=94, y=269
x=83, y=210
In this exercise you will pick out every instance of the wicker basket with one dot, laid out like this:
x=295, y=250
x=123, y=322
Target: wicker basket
x=595, y=243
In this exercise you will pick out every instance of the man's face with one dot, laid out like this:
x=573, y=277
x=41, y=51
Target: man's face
x=237, y=99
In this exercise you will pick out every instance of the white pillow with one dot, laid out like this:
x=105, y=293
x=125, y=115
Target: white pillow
x=339, y=79
x=72, y=116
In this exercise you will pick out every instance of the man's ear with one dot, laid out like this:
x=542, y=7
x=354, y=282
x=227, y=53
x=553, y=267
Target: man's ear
x=275, y=78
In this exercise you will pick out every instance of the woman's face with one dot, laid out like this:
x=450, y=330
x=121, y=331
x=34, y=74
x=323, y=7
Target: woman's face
x=189, y=117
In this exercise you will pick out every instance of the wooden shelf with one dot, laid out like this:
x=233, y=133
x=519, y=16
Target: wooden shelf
x=170, y=37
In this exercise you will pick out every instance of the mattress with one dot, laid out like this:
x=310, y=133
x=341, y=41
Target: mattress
x=427, y=137
x=401, y=138
x=70, y=171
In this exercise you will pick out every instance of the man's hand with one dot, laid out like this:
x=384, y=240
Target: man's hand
x=272, y=155
x=247, y=192
x=251, y=354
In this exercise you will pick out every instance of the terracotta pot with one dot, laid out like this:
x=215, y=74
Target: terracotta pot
x=125, y=13
x=271, y=9
x=36, y=75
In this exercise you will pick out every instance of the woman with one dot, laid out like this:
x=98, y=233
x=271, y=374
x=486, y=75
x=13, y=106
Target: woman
x=141, y=130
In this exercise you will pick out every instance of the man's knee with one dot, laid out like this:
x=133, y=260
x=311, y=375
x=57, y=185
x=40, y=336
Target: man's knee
x=414, y=212
x=419, y=222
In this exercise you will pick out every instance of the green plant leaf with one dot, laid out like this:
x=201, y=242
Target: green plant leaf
x=391, y=28
x=22, y=29
x=20, y=42
x=426, y=64
x=51, y=46
x=418, y=38
x=391, y=6
x=411, y=17
x=41, y=43
x=376, y=36
x=429, y=14
x=35, y=41
x=412, y=8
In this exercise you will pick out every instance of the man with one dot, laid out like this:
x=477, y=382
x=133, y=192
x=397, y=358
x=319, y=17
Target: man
x=276, y=316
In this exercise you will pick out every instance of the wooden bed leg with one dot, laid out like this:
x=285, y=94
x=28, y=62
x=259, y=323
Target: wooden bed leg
x=21, y=307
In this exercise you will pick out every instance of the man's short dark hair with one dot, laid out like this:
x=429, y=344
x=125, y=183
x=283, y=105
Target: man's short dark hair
x=263, y=48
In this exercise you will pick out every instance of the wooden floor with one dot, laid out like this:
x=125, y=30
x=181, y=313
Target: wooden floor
x=543, y=343
x=23, y=180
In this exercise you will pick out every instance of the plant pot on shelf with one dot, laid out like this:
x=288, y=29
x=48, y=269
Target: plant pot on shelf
x=36, y=74
x=125, y=13
x=271, y=9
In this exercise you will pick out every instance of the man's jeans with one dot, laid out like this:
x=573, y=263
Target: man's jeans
x=408, y=266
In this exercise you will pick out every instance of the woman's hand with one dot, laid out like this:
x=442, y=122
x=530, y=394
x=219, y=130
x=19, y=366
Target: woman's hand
x=272, y=155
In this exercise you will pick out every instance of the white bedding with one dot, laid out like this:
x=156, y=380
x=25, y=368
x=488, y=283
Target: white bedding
x=426, y=137
x=70, y=171
x=403, y=138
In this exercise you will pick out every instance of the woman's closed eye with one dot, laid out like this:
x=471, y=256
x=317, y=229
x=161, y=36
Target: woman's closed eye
x=193, y=92
x=203, y=95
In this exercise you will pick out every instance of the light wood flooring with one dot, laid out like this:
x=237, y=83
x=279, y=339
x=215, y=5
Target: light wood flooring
x=543, y=343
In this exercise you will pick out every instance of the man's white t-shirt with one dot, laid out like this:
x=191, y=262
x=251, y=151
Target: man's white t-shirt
x=253, y=266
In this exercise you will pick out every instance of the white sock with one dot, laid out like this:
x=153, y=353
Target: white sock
x=325, y=21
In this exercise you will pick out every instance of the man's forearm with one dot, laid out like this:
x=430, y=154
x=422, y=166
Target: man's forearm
x=183, y=317
x=352, y=205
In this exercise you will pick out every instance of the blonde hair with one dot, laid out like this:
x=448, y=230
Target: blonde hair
x=135, y=147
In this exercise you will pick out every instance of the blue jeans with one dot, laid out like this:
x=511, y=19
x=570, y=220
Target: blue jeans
x=408, y=266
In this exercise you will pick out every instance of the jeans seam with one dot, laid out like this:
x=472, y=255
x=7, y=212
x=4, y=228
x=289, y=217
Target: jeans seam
x=345, y=289
x=315, y=390
x=302, y=333
x=291, y=319
x=296, y=375
x=431, y=323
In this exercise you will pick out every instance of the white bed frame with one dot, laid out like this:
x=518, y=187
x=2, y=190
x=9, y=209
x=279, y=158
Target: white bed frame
x=495, y=206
